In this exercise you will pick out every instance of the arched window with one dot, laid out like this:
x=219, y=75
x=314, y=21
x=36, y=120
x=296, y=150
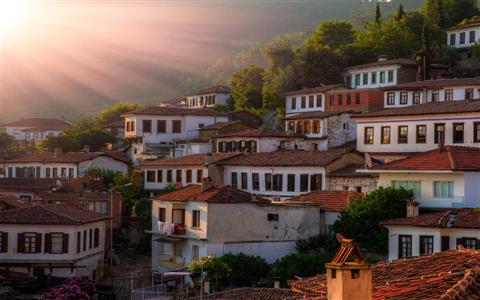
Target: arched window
x=300, y=128
x=316, y=127
x=307, y=127
x=291, y=126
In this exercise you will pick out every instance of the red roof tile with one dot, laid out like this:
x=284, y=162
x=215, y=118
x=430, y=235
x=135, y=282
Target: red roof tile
x=189, y=160
x=175, y=111
x=214, y=194
x=55, y=214
x=213, y=89
x=425, y=277
x=116, y=124
x=316, y=115
x=314, y=90
x=41, y=123
x=450, y=158
x=11, y=201
x=69, y=157
x=326, y=200
x=389, y=62
x=28, y=183
x=221, y=125
x=250, y=293
x=464, y=25
x=437, y=83
x=350, y=171
x=453, y=218
x=258, y=133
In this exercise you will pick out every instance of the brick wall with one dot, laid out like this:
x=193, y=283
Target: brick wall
x=358, y=100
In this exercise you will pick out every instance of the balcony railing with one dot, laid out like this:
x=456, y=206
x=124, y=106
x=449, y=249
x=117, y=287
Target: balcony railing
x=451, y=202
x=171, y=228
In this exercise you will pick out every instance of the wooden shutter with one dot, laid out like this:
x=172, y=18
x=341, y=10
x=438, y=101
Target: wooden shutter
x=20, y=243
x=4, y=242
x=48, y=243
x=38, y=243
x=65, y=243
x=445, y=243
x=79, y=242
x=97, y=237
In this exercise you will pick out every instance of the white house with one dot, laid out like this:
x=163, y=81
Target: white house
x=463, y=36
x=154, y=130
x=399, y=131
x=64, y=165
x=306, y=100
x=439, y=90
x=35, y=129
x=212, y=219
x=434, y=232
x=447, y=177
x=61, y=240
x=283, y=174
x=208, y=97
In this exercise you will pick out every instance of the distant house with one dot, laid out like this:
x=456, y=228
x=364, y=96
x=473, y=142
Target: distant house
x=35, y=129
x=116, y=128
x=175, y=102
x=463, y=36
x=198, y=220
x=61, y=240
x=218, y=94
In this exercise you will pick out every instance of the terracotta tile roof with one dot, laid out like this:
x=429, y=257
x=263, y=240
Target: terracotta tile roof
x=431, y=108
x=69, y=157
x=259, y=132
x=190, y=160
x=116, y=124
x=45, y=123
x=214, y=194
x=288, y=158
x=11, y=201
x=326, y=200
x=175, y=111
x=452, y=218
x=28, y=183
x=220, y=125
x=61, y=196
x=450, y=158
x=250, y=293
x=437, y=83
x=350, y=171
x=389, y=62
x=213, y=89
x=425, y=277
x=55, y=214
x=313, y=90
x=466, y=25
x=316, y=115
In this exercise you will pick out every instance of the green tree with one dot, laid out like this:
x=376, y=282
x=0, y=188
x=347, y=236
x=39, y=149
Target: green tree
x=378, y=14
x=247, y=85
x=130, y=186
x=460, y=10
x=248, y=270
x=6, y=140
x=332, y=34
x=361, y=221
x=316, y=66
x=218, y=271
x=113, y=113
x=400, y=13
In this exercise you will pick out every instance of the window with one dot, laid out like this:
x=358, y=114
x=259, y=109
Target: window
x=199, y=175
x=195, y=253
x=426, y=244
x=90, y=238
x=79, y=242
x=357, y=98
x=402, y=134
x=255, y=181
x=414, y=186
x=391, y=98
x=32, y=242
x=70, y=173
x=98, y=206
x=234, y=179
x=357, y=79
x=349, y=99
x=452, y=39
x=311, y=101
x=47, y=173
x=196, y=218
x=278, y=182
x=416, y=98
x=161, y=126
x=96, y=239
x=435, y=96
x=443, y=189
x=462, y=38
x=64, y=172
x=421, y=134
x=385, y=134
x=467, y=242
x=178, y=216
x=169, y=176
x=56, y=243
x=471, y=36
x=303, y=182
x=365, y=78
x=449, y=95
x=468, y=94
x=244, y=177
x=294, y=103
x=316, y=127
x=268, y=181
x=445, y=243
x=162, y=214
x=304, y=102
x=374, y=77
x=291, y=182
x=315, y=182
x=476, y=132
x=189, y=176
x=176, y=126
x=382, y=77
x=319, y=101
x=159, y=175
x=147, y=126
x=307, y=127
x=439, y=133
x=339, y=99
x=403, y=98
x=272, y=217
x=390, y=75
x=404, y=246
x=368, y=139
x=150, y=176
x=458, y=129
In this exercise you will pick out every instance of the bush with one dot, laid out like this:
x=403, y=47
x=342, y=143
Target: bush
x=318, y=243
x=218, y=271
x=76, y=288
x=247, y=270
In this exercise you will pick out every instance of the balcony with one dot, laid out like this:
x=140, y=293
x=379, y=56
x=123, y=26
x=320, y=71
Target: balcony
x=170, y=228
x=432, y=202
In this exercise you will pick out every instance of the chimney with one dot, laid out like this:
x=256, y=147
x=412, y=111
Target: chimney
x=412, y=209
x=348, y=279
x=86, y=148
x=276, y=284
x=382, y=57
x=206, y=183
x=57, y=151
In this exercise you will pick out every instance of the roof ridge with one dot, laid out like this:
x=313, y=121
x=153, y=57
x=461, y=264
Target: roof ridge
x=450, y=158
x=470, y=279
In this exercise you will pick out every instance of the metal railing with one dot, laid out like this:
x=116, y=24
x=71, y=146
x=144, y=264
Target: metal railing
x=451, y=202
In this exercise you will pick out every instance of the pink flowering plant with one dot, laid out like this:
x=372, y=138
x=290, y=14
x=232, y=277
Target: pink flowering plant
x=75, y=288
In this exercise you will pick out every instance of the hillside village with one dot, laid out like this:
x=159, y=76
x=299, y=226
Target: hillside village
x=363, y=188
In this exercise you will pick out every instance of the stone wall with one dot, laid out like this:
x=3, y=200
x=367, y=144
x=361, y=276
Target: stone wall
x=367, y=183
x=337, y=135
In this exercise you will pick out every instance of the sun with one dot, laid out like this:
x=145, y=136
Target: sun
x=12, y=14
